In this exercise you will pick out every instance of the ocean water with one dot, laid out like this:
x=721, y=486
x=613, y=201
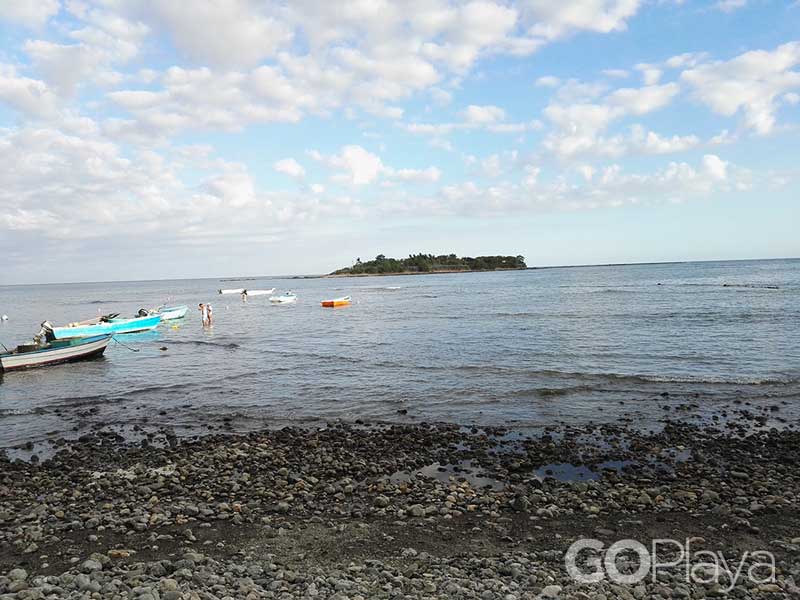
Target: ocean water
x=523, y=348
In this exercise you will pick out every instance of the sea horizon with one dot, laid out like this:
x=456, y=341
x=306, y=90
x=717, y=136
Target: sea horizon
x=233, y=278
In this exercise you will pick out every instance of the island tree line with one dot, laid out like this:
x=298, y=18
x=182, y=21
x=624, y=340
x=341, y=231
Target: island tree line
x=430, y=263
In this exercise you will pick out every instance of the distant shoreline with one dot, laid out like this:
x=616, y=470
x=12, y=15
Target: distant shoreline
x=436, y=272
x=319, y=276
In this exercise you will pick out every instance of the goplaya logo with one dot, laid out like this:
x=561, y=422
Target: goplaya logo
x=629, y=562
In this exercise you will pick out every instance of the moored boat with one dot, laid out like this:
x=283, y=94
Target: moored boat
x=28, y=356
x=231, y=291
x=260, y=292
x=343, y=301
x=286, y=298
x=104, y=325
x=168, y=313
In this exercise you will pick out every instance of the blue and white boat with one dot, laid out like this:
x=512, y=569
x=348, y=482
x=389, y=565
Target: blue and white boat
x=104, y=326
x=168, y=313
x=43, y=354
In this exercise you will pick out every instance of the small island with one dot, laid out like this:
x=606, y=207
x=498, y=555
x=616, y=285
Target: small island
x=429, y=263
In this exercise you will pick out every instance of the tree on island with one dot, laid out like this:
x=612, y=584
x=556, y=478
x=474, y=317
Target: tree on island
x=429, y=263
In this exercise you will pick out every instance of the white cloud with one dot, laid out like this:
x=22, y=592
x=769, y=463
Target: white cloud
x=687, y=59
x=234, y=33
x=609, y=187
x=652, y=143
x=290, y=167
x=579, y=126
x=616, y=73
x=29, y=96
x=360, y=166
x=724, y=137
x=586, y=171
x=441, y=97
x=650, y=73
x=515, y=127
x=234, y=187
x=93, y=189
x=429, y=175
x=351, y=53
x=639, y=101
x=548, y=81
x=101, y=41
x=730, y=5
x=31, y=13
x=551, y=20
x=749, y=83
x=492, y=166
x=63, y=65
x=200, y=98
x=355, y=165
x=483, y=115
x=716, y=168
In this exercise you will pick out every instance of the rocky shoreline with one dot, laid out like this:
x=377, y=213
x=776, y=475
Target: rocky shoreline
x=403, y=511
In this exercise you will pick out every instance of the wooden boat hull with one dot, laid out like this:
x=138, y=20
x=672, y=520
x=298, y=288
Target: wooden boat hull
x=168, y=313
x=55, y=353
x=345, y=301
x=113, y=326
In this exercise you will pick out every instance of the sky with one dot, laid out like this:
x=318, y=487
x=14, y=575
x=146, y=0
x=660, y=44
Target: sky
x=142, y=139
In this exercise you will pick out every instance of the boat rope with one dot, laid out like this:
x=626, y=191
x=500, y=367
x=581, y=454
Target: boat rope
x=125, y=345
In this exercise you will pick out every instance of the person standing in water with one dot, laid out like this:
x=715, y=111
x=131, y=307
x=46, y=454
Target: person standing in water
x=209, y=315
x=203, y=314
x=244, y=295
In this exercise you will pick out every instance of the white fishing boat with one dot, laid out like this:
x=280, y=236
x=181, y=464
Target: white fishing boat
x=28, y=356
x=259, y=292
x=169, y=313
x=231, y=291
x=286, y=298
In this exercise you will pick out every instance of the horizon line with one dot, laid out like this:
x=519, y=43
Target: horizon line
x=222, y=278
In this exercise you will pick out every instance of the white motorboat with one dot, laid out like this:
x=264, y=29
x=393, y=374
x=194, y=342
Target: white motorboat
x=259, y=292
x=286, y=298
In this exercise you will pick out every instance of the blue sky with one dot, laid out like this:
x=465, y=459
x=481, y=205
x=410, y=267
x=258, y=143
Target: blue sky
x=144, y=140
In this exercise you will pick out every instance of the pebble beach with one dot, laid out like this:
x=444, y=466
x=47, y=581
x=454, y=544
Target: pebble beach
x=360, y=511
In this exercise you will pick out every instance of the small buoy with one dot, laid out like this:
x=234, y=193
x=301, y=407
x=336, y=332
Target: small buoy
x=163, y=348
x=4, y=318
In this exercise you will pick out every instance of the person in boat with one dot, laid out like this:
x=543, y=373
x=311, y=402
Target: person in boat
x=45, y=335
x=244, y=295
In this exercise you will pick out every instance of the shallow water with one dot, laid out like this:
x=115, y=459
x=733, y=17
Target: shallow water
x=527, y=349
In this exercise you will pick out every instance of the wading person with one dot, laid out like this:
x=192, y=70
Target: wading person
x=203, y=314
